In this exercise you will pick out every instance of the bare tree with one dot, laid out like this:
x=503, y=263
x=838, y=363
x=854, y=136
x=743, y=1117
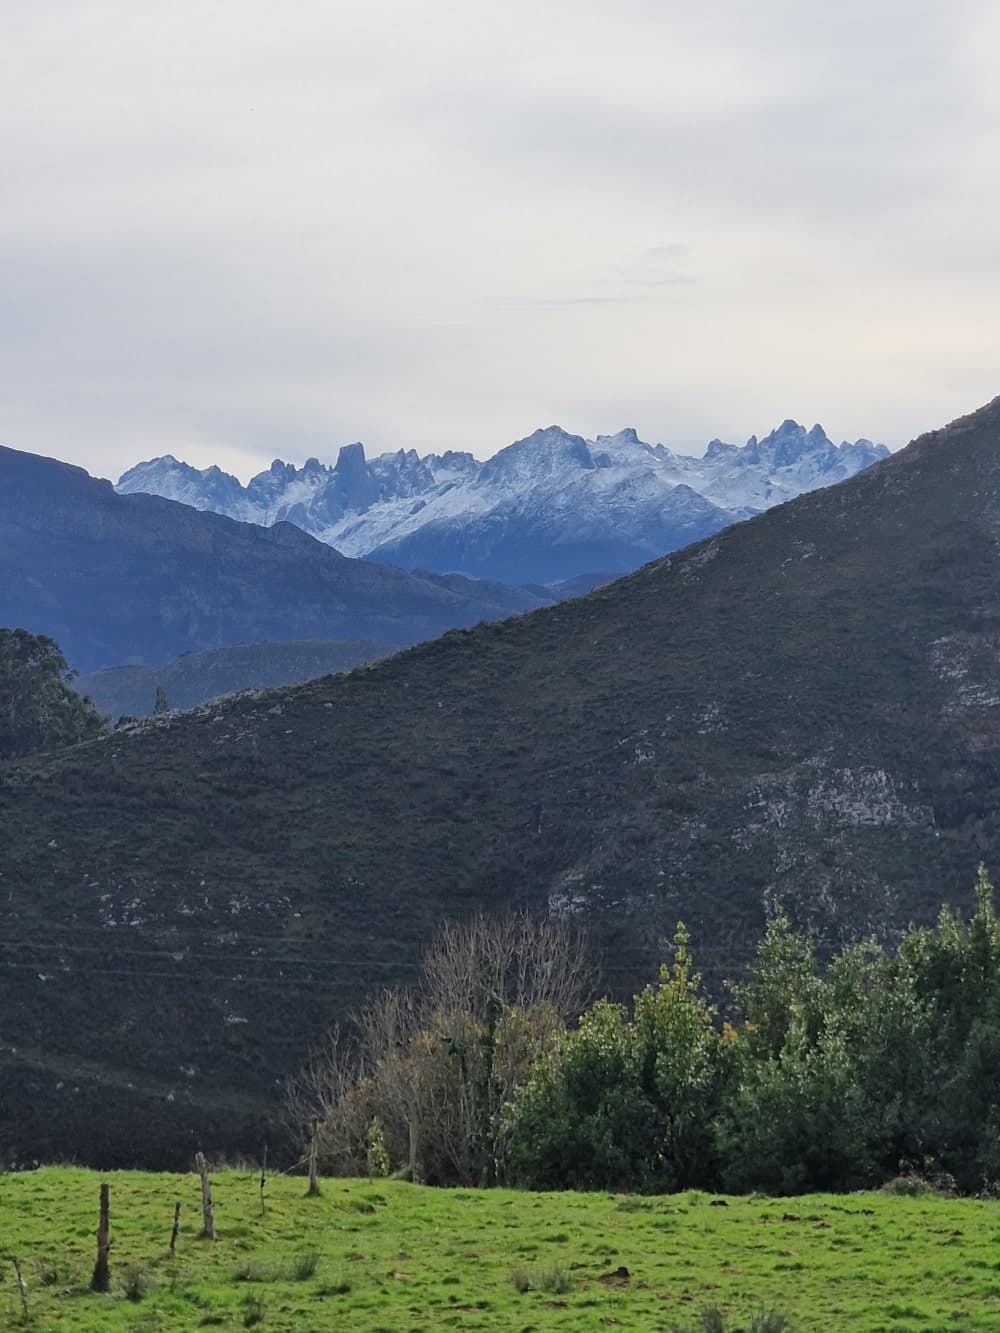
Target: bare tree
x=437, y=1064
x=331, y=1069
x=513, y=960
x=388, y=1026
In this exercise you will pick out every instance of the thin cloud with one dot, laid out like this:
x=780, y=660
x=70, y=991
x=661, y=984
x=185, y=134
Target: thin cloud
x=232, y=231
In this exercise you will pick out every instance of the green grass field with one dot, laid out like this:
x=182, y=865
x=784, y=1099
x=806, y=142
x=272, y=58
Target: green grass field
x=381, y=1255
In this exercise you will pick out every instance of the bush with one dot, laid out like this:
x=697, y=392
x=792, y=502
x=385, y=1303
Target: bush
x=136, y=1285
x=305, y=1266
x=712, y=1320
x=377, y=1157
x=554, y=1279
x=253, y=1311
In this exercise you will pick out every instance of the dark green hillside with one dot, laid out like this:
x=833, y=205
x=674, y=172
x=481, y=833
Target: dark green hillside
x=802, y=708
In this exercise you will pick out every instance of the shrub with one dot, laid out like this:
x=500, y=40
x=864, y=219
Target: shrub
x=136, y=1285
x=305, y=1266
x=253, y=1311
x=909, y=1185
x=554, y=1279
x=251, y=1271
x=712, y=1320
x=378, y=1155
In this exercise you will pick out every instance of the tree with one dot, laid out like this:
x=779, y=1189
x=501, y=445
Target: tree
x=954, y=973
x=39, y=709
x=160, y=705
x=626, y=1103
x=782, y=982
x=680, y=1053
x=580, y=1121
x=436, y=1065
x=796, y=1121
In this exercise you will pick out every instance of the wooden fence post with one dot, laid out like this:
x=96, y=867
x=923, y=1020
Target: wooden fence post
x=314, y=1161
x=208, y=1217
x=101, y=1281
x=22, y=1289
x=263, y=1179
x=176, y=1228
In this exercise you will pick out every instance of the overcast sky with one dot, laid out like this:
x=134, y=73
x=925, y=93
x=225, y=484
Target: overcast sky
x=238, y=229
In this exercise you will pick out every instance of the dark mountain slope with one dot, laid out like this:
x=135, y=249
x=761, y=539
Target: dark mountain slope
x=803, y=708
x=118, y=577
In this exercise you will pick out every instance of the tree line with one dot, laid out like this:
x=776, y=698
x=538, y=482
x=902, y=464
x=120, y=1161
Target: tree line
x=834, y=1075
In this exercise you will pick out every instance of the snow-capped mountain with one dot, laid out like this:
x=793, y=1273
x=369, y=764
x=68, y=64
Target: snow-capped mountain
x=548, y=507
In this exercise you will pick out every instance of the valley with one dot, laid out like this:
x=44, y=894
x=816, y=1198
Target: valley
x=796, y=711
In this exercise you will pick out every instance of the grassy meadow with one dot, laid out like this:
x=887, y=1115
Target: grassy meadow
x=385, y=1255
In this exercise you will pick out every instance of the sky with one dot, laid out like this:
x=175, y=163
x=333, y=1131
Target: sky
x=234, y=230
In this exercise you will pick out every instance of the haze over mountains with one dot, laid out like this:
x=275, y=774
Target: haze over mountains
x=546, y=508
x=119, y=578
x=801, y=709
x=193, y=678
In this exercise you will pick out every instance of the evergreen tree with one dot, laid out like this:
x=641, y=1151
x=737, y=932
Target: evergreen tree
x=39, y=709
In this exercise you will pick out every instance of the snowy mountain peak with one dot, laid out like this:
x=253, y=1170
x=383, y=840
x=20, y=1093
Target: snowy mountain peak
x=718, y=450
x=547, y=507
x=538, y=455
x=627, y=436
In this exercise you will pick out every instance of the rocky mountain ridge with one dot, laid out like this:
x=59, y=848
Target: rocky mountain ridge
x=546, y=508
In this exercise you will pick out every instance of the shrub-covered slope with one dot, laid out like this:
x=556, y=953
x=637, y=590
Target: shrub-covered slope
x=802, y=708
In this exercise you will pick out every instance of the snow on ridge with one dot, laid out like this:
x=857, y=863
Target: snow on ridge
x=552, y=485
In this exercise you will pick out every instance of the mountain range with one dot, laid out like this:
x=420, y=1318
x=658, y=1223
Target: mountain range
x=136, y=578
x=546, y=508
x=803, y=709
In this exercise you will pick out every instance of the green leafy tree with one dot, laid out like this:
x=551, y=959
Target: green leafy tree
x=955, y=974
x=378, y=1155
x=580, y=1121
x=796, y=1117
x=795, y=1120
x=626, y=1103
x=782, y=981
x=680, y=1058
x=39, y=709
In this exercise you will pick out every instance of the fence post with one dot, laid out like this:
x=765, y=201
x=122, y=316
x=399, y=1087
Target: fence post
x=21, y=1288
x=208, y=1217
x=176, y=1228
x=101, y=1281
x=314, y=1161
